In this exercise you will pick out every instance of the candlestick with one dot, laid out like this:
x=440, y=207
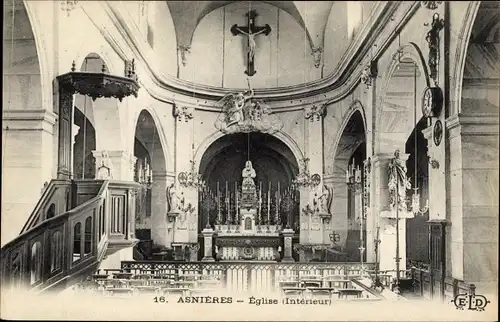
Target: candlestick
x=269, y=203
x=260, y=202
x=228, y=219
x=218, y=204
x=236, y=203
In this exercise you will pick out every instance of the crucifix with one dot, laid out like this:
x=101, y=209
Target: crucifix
x=250, y=30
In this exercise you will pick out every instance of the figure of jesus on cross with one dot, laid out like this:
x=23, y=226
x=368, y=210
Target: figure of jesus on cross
x=250, y=31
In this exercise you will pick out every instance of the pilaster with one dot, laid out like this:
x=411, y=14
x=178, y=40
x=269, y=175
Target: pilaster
x=28, y=161
x=473, y=197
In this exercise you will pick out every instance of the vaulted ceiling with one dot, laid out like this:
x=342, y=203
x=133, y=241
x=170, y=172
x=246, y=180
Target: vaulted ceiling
x=311, y=15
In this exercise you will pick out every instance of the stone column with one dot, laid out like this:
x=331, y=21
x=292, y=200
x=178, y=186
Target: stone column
x=339, y=207
x=184, y=156
x=313, y=226
x=27, y=162
x=207, y=254
x=159, y=220
x=473, y=196
x=287, y=250
x=122, y=164
x=386, y=221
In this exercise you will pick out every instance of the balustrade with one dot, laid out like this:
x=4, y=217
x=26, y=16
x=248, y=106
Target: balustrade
x=73, y=242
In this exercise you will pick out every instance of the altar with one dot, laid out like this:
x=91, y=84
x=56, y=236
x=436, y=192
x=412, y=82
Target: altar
x=248, y=238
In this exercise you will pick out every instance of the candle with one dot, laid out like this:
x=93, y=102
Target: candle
x=218, y=203
x=269, y=203
x=236, y=197
x=227, y=203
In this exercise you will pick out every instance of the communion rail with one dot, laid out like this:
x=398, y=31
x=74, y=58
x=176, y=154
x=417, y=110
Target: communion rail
x=59, y=251
x=254, y=276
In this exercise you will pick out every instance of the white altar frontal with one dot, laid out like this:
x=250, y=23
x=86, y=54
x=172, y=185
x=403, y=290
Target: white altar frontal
x=248, y=240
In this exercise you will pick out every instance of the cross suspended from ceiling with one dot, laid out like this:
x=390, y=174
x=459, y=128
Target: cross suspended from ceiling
x=250, y=30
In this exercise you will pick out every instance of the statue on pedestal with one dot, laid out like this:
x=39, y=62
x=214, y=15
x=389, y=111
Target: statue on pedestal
x=325, y=201
x=104, y=170
x=248, y=175
x=173, y=200
x=398, y=182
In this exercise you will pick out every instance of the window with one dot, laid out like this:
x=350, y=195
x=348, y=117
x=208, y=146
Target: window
x=88, y=236
x=51, y=212
x=77, y=238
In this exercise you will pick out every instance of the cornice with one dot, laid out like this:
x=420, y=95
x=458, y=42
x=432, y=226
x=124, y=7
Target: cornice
x=388, y=17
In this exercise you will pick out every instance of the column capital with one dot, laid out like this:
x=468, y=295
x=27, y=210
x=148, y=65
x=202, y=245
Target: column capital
x=34, y=120
x=315, y=112
x=183, y=113
x=479, y=124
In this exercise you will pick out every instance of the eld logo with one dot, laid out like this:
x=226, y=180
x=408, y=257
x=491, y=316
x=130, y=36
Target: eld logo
x=470, y=302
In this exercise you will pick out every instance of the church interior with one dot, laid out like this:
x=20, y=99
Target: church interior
x=330, y=149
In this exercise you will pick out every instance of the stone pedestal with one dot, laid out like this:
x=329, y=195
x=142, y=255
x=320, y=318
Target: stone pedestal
x=207, y=250
x=387, y=247
x=386, y=217
x=287, y=250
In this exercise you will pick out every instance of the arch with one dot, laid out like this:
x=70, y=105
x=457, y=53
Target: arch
x=56, y=251
x=282, y=136
x=51, y=212
x=356, y=106
x=461, y=55
x=169, y=158
x=88, y=236
x=77, y=238
x=406, y=54
x=350, y=145
x=43, y=60
x=84, y=51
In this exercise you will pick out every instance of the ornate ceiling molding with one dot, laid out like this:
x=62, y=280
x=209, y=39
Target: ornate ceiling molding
x=388, y=17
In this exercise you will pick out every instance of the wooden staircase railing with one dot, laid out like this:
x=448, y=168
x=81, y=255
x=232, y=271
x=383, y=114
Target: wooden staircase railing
x=60, y=251
x=56, y=199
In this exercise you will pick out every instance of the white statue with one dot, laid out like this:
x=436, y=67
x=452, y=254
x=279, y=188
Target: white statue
x=233, y=105
x=248, y=174
x=325, y=200
x=104, y=170
x=173, y=200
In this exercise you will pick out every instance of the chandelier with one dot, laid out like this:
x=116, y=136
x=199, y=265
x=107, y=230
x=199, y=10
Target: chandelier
x=304, y=179
x=145, y=174
x=414, y=207
x=353, y=177
x=192, y=178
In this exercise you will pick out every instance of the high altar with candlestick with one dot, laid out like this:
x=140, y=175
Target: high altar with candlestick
x=248, y=238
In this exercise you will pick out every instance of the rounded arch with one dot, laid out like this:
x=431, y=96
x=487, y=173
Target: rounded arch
x=86, y=49
x=408, y=62
x=282, y=136
x=461, y=56
x=43, y=60
x=356, y=106
x=167, y=155
x=408, y=51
